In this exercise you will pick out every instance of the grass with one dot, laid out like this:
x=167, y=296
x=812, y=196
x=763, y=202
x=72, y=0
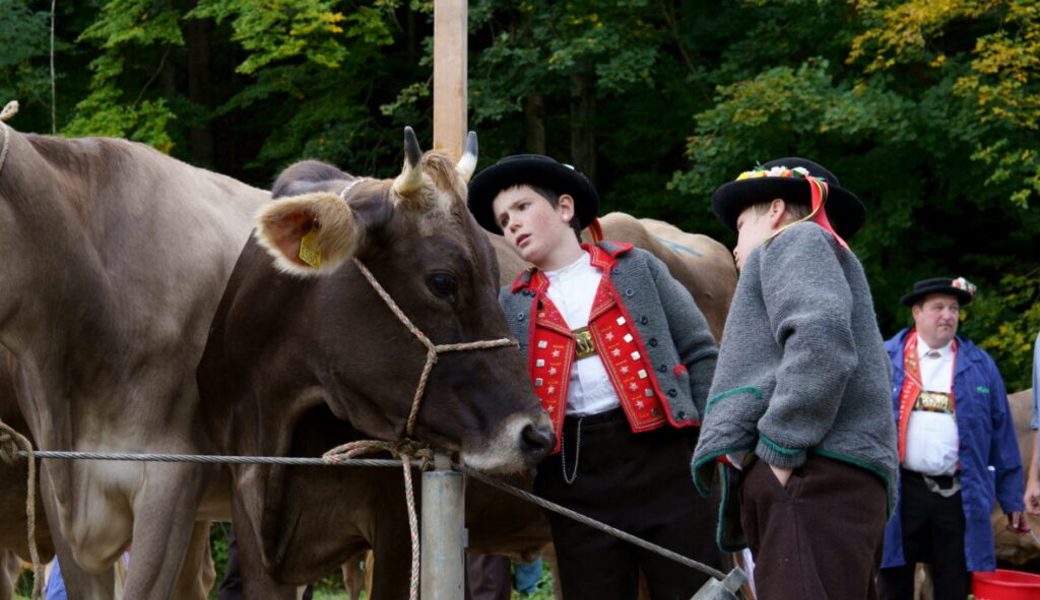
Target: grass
x=329, y=588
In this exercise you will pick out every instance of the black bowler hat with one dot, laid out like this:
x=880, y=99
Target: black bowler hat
x=530, y=169
x=785, y=178
x=960, y=287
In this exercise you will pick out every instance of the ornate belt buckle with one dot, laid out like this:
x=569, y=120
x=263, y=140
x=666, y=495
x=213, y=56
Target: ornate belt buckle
x=584, y=346
x=933, y=402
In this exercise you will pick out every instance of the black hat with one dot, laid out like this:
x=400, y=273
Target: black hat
x=530, y=169
x=785, y=178
x=960, y=287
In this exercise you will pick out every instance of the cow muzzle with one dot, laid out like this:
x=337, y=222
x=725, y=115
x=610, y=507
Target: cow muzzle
x=536, y=441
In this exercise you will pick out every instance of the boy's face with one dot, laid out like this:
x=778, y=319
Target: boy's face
x=755, y=226
x=534, y=228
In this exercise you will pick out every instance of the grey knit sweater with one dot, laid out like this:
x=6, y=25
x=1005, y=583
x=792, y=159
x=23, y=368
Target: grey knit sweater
x=802, y=367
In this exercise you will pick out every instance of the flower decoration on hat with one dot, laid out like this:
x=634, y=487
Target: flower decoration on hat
x=963, y=284
x=777, y=171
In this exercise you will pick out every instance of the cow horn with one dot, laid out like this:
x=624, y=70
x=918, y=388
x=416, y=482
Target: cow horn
x=468, y=162
x=411, y=176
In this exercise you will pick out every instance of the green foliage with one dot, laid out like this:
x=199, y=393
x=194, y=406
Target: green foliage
x=1004, y=322
x=218, y=547
x=24, y=37
x=287, y=29
x=23, y=32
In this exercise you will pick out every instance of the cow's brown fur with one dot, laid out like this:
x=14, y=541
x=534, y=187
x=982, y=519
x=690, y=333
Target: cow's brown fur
x=296, y=365
x=115, y=258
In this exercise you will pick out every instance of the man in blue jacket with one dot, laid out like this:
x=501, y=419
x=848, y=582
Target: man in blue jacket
x=953, y=424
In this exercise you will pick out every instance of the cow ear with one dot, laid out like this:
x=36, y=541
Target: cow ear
x=309, y=235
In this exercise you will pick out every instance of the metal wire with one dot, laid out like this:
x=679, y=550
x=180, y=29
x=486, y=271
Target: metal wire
x=213, y=458
x=377, y=462
x=628, y=537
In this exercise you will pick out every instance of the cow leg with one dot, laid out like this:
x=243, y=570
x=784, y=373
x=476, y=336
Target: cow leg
x=79, y=583
x=256, y=581
x=197, y=575
x=10, y=568
x=164, y=521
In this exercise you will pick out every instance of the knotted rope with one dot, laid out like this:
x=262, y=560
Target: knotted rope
x=9, y=111
x=10, y=442
x=408, y=448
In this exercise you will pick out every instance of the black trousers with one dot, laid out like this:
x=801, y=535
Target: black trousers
x=933, y=533
x=818, y=537
x=487, y=577
x=639, y=483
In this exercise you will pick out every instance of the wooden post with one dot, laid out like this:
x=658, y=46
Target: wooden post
x=450, y=49
x=443, y=537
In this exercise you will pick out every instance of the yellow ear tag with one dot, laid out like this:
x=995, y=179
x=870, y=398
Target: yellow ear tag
x=310, y=252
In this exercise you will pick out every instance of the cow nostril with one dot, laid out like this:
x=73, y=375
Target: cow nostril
x=536, y=442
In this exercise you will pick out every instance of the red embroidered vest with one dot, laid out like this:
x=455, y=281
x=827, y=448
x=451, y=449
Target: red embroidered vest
x=551, y=353
x=912, y=386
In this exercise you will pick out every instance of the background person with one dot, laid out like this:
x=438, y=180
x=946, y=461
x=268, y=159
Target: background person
x=954, y=424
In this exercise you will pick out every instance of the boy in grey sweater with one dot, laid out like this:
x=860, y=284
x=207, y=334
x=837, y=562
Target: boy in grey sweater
x=798, y=412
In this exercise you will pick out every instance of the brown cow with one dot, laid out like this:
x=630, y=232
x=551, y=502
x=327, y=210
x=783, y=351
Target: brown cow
x=303, y=354
x=1015, y=548
x=114, y=259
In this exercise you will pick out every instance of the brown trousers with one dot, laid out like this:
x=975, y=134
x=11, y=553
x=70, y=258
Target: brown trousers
x=817, y=537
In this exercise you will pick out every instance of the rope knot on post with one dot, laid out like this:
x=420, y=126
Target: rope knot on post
x=405, y=449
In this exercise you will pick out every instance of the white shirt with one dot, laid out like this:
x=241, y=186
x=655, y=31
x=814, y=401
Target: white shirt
x=931, y=437
x=573, y=290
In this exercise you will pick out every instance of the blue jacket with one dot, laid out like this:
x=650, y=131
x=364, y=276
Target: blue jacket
x=987, y=438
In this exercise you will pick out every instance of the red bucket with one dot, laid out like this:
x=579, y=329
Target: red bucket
x=1005, y=585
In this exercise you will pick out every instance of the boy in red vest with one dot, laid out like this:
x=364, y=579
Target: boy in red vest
x=621, y=358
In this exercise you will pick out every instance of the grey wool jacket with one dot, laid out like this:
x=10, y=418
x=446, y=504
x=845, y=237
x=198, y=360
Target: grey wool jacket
x=667, y=319
x=802, y=369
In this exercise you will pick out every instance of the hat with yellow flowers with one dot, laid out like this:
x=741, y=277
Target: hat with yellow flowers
x=791, y=180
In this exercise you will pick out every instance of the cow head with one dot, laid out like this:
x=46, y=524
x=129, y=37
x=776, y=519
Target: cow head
x=420, y=242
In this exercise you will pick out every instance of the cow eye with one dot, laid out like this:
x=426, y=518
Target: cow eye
x=443, y=285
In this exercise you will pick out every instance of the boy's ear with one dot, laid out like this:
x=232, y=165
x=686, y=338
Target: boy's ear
x=778, y=216
x=566, y=206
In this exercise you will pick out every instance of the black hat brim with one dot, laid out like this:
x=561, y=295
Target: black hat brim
x=963, y=297
x=536, y=170
x=844, y=210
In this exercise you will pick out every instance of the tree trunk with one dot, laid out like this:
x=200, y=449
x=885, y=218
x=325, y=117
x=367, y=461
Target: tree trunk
x=583, y=112
x=534, y=123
